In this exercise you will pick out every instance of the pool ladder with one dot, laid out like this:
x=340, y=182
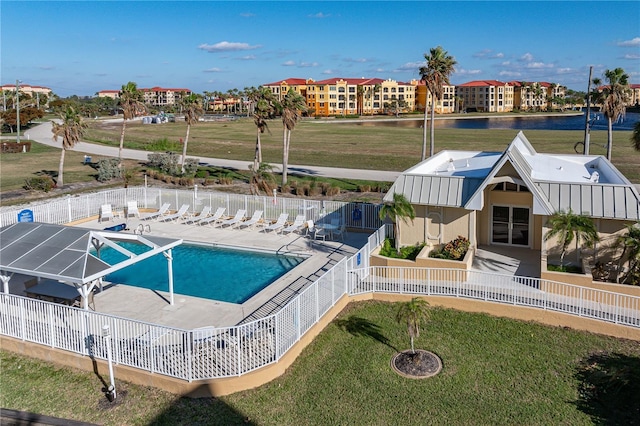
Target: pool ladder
x=142, y=228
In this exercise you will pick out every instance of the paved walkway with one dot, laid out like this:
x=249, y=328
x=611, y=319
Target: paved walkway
x=42, y=134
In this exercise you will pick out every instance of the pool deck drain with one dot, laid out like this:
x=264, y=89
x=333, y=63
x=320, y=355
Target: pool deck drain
x=192, y=312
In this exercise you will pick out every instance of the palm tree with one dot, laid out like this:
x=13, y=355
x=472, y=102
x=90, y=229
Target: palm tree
x=292, y=106
x=70, y=129
x=614, y=97
x=400, y=208
x=630, y=242
x=132, y=106
x=264, y=107
x=635, y=136
x=192, y=109
x=435, y=75
x=568, y=226
x=413, y=313
x=262, y=179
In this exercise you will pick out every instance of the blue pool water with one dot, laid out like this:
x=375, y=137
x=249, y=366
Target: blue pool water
x=209, y=272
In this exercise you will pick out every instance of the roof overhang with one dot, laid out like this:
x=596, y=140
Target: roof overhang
x=67, y=253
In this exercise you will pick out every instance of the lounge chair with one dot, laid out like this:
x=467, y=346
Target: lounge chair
x=239, y=217
x=177, y=215
x=157, y=214
x=206, y=210
x=106, y=213
x=295, y=226
x=255, y=218
x=341, y=231
x=132, y=209
x=280, y=223
x=214, y=218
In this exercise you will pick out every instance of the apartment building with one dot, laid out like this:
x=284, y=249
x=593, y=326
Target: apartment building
x=8, y=90
x=486, y=96
x=154, y=96
x=536, y=96
x=446, y=105
x=635, y=95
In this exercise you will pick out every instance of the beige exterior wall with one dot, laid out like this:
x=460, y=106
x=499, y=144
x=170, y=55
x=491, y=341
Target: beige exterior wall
x=437, y=225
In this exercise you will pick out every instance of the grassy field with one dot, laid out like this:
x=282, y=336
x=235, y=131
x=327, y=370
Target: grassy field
x=315, y=142
x=496, y=371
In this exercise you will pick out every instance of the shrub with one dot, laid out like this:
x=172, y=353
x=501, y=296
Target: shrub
x=407, y=252
x=202, y=174
x=163, y=145
x=332, y=191
x=225, y=179
x=39, y=183
x=108, y=169
x=454, y=250
x=165, y=162
x=364, y=188
x=191, y=166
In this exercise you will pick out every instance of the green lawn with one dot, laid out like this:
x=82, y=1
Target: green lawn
x=495, y=371
x=314, y=142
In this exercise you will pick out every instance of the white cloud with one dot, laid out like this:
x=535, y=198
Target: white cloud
x=488, y=54
x=46, y=67
x=509, y=74
x=320, y=15
x=631, y=56
x=247, y=58
x=225, y=46
x=527, y=57
x=410, y=66
x=289, y=63
x=214, y=69
x=357, y=60
x=328, y=72
x=308, y=64
x=539, y=65
x=564, y=70
x=247, y=15
x=630, y=43
x=462, y=71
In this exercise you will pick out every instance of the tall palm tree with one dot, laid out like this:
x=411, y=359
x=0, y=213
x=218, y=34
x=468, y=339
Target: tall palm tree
x=635, y=136
x=614, y=97
x=70, y=129
x=293, y=105
x=439, y=67
x=131, y=102
x=413, y=313
x=568, y=226
x=265, y=106
x=399, y=208
x=262, y=179
x=192, y=110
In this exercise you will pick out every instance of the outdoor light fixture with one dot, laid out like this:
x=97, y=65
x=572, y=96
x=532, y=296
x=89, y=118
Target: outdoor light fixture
x=111, y=390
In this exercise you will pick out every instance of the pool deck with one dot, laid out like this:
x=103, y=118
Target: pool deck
x=192, y=312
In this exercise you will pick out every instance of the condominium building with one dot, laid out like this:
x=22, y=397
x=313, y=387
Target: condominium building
x=28, y=89
x=528, y=96
x=155, y=96
x=446, y=105
x=344, y=96
x=486, y=96
x=38, y=94
x=634, y=99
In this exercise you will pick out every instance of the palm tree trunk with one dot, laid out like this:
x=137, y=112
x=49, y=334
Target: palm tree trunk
x=184, y=148
x=257, y=157
x=609, y=137
x=432, y=131
x=60, y=181
x=124, y=125
x=285, y=154
x=424, y=133
x=413, y=351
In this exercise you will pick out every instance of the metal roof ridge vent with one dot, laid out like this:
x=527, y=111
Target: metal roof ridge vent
x=595, y=177
x=451, y=167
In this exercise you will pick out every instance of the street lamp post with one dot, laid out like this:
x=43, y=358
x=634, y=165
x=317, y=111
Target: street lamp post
x=587, y=130
x=111, y=391
x=18, y=110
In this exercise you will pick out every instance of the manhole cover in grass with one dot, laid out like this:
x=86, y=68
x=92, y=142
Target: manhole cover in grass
x=418, y=365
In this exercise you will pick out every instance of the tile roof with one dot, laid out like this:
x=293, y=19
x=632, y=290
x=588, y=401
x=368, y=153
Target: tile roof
x=483, y=83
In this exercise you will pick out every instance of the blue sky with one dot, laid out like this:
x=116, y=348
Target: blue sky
x=82, y=47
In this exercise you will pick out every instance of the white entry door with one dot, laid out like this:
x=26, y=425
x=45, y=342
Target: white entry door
x=510, y=225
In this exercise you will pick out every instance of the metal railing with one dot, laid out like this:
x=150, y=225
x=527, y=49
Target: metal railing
x=72, y=208
x=218, y=352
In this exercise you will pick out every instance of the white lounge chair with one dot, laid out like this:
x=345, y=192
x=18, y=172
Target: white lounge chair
x=239, y=217
x=157, y=214
x=206, y=210
x=280, y=223
x=255, y=218
x=213, y=218
x=132, y=209
x=295, y=226
x=106, y=213
x=177, y=215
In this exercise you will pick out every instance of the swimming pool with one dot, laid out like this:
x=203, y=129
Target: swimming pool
x=215, y=273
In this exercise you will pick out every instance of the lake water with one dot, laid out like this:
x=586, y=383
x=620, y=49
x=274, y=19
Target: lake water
x=517, y=123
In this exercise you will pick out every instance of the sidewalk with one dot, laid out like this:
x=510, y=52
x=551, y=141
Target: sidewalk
x=42, y=134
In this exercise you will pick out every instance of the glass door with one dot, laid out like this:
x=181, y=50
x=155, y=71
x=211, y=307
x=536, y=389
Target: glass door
x=510, y=225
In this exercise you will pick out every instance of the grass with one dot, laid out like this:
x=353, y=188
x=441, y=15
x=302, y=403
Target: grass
x=314, y=142
x=495, y=371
